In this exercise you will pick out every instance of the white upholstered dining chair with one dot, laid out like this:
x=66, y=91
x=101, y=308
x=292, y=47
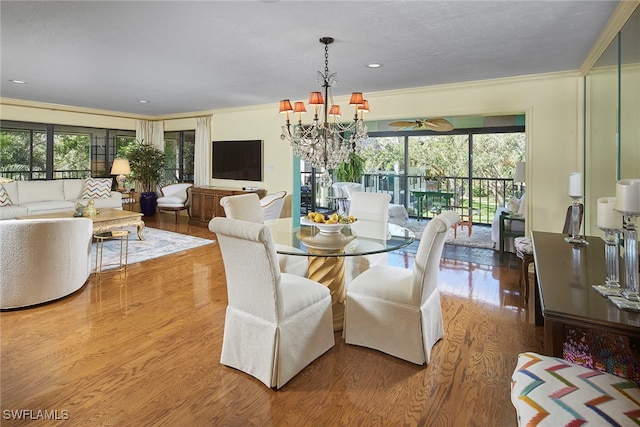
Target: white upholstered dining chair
x=396, y=310
x=275, y=323
x=272, y=204
x=371, y=210
x=246, y=207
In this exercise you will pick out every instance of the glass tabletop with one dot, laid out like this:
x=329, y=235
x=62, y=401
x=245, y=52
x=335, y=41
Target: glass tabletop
x=306, y=240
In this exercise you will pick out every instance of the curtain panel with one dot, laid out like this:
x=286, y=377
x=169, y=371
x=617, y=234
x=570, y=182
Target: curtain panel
x=202, y=154
x=151, y=132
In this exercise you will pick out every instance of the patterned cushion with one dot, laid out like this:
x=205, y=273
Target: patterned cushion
x=523, y=245
x=95, y=188
x=548, y=391
x=4, y=197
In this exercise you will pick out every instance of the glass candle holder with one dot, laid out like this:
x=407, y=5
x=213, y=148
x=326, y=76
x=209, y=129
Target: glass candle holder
x=612, y=257
x=630, y=290
x=575, y=238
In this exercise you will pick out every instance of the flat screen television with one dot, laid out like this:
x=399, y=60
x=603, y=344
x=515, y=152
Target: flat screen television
x=239, y=160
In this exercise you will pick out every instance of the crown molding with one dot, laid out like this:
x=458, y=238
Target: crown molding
x=620, y=16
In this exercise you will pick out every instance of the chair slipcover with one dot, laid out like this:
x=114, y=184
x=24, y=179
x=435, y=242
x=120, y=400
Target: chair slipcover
x=371, y=210
x=272, y=204
x=276, y=323
x=246, y=207
x=395, y=310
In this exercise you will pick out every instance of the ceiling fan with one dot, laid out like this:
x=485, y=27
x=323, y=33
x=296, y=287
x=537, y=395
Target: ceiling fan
x=438, y=125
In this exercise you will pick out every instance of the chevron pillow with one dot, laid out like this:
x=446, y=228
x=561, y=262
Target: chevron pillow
x=549, y=391
x=95, y=188
x=4, y=197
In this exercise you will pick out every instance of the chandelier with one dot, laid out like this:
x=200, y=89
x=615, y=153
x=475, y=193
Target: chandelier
x=326, y=143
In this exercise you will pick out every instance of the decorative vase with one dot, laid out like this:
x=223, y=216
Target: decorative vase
x=148, y=203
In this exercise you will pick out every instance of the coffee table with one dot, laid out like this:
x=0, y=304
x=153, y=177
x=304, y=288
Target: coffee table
x=106, y=220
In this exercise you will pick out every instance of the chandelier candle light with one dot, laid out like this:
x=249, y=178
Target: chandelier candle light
x=628, y=204
x=610, y=221
x=576, y=192
x=325, y=143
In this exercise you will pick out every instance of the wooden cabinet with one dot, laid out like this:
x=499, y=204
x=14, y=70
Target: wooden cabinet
x=205, y=202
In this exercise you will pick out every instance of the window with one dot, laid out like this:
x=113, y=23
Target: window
x=179, y=148
x=30, y=151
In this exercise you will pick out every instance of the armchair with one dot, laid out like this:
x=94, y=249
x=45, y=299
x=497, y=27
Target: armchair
x=175, y=197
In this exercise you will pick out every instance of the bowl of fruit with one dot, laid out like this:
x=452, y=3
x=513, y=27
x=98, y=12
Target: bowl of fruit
x=328, y=224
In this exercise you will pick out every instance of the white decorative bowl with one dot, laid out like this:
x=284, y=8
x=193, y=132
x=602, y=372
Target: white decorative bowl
x=324, y=227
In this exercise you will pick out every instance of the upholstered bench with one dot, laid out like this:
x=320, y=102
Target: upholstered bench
x=548, y=391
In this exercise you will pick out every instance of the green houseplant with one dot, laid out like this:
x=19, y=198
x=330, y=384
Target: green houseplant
x=147, y=165
x=352, y=170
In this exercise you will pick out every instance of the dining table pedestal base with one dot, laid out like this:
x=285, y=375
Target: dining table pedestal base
x=330, y=272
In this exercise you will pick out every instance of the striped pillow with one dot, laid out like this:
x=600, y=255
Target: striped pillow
x=549, y=391
x=4, y=197
x=96, y=188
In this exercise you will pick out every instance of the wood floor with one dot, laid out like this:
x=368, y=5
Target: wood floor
x=144, y=350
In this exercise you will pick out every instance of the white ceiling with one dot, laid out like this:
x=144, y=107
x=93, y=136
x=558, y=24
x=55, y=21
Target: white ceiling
x=185, y=56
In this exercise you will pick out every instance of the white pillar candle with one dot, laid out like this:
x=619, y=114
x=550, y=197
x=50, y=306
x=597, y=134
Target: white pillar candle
x=628, y=195
x=607, y=216
x=575, y=185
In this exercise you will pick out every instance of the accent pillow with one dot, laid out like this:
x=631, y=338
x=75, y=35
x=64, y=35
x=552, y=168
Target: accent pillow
x=4, y=197
x=97, y=188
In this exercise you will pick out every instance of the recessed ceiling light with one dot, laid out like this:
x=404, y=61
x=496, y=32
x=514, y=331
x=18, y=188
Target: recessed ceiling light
x=143, y=101
x=19, y=82
x=374, y=65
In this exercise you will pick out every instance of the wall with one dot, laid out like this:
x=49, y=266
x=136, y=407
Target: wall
x=552, y=104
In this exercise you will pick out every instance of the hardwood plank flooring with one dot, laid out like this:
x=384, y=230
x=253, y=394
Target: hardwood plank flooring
x=144, y=350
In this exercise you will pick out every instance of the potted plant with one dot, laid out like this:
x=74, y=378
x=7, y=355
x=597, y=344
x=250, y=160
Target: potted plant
x=147, y=165
x=352, y=170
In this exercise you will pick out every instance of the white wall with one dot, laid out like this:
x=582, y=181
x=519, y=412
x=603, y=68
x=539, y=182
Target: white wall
x=552, y=104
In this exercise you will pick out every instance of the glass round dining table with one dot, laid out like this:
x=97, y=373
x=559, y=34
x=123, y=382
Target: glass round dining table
x=326, y=251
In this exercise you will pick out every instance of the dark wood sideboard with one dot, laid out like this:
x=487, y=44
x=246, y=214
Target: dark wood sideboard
x=205, y=202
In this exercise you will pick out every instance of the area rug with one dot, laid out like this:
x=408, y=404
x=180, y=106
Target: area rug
x=156, y=243
x=480, y=235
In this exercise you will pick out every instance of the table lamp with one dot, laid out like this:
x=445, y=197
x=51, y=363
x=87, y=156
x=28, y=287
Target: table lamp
x=121, y=168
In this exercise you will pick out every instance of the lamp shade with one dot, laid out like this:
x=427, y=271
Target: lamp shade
x=299, y=107
x=519, y=173
x=356, y=99
x=334, y=111
x=120, y=167
x=364, y=106
x=285, y=106
x=315, y=98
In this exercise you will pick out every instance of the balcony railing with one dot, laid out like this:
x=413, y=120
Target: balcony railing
x=484, y=195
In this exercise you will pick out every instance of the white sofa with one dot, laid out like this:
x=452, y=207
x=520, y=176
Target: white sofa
x=40, y=197
x=42, y=260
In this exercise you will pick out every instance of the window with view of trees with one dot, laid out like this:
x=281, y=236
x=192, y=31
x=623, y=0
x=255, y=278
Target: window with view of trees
x=33, y=151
